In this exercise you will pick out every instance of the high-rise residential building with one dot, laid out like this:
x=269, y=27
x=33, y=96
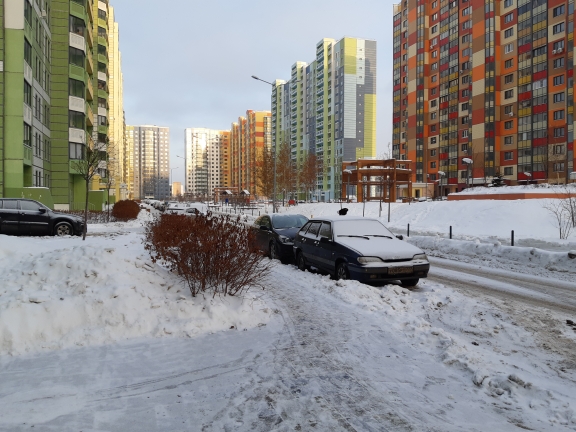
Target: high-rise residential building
x=116, y=136
x=58, y=49
x=151, y=161
x=249, y=136
x=202, y=158
x=74, y=119
x=484, y=89
x=176, y=189
x=26, y=156
x=225, y=162
x=328, y=108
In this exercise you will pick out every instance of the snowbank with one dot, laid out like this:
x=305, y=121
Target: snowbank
x=61, y=292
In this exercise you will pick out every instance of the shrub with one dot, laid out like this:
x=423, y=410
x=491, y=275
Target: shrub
x=212, y=254
x=125, y=210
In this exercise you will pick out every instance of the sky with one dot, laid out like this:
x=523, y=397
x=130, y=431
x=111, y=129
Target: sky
x=188, y=63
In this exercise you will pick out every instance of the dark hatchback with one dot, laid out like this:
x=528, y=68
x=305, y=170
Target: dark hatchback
x=29, y=217
x=358, y=248
x=274, y=234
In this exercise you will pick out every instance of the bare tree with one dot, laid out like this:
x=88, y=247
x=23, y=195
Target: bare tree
x=562, y=219
x=265, y=173
x=87, y=168
x=308, y=174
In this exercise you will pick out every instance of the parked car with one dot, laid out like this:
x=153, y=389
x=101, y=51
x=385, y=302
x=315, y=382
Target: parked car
x=29, y=217
x=358, y=248
x=275, y=234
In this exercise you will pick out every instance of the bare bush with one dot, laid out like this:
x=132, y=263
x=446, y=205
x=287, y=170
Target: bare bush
x=562, y=218
x=125, y=210
x=211, y=253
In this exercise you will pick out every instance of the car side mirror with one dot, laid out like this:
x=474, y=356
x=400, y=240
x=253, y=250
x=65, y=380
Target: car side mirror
x=325, y=240
x=42, y=210
x=264, y=228
x=400, y=237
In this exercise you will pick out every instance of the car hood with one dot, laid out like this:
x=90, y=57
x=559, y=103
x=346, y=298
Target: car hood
x=71, y=216
x=287, y=232
x=384, y=248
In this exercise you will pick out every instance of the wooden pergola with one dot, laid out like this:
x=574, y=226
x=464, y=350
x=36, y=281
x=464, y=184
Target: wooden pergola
x=378, y=179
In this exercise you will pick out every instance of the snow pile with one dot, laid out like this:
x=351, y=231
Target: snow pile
x=544, y=188
x=488, y=349
x=58, y=293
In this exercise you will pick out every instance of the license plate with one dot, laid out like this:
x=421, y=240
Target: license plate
x=400, y=270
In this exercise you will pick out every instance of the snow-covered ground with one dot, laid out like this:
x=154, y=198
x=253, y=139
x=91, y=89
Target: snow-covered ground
x=93, y=336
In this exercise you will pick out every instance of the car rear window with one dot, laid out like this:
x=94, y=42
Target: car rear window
x=359, y=228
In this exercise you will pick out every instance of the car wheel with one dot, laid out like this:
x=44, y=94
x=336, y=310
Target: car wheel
x=301, y=262
x=410, y=282
x=63, y=229
x=272, y=251
x=342, y=272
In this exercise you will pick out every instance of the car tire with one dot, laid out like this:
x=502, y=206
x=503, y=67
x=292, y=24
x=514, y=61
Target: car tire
x=273, y=251
x=301, y=262
x=342, y=272
x=63, y=229
x=410, y=282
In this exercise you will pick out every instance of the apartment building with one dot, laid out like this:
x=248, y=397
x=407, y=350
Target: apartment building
x=328, y=108
x=150, y=152
x=249, y=136
x=26, y=159
x=484, y=88
x=55, y=60
x=202, y=159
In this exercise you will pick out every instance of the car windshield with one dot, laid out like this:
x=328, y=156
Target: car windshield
x=289, y=221
x=364, y=228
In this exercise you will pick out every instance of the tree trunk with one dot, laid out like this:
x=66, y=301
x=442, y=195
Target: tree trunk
x=86, y=212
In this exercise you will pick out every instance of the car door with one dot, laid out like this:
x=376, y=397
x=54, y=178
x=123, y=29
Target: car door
x=310, y=244
x=326, y=247
x=262, y=235
x=34, y=219
x=9, y=216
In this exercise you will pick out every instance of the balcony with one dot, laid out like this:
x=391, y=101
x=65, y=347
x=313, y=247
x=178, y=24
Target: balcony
x=103, y=59
x=77, y=135
x=102, y=76
x=27, y=114
x=89, y=115
x=76, y=104
x=77, y=41
x=27, y=155
x=89, y=64
x=89, y=88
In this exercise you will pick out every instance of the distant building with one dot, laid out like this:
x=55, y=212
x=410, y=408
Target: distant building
x=151, y=166
x=328, y=108
x=202, y=156
x=176, y=189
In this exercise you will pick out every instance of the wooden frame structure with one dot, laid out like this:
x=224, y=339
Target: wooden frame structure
x=379, y=179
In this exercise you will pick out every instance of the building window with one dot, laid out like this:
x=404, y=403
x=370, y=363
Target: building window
x=509, y=124
x=464, y=148
x=558, y=115
x=509, y=139
x=76, y=57
x=508, y=79
x=558, y=46
x=433, y=103
x=509, y=32
x=508, y=18
x=559, y=62
x=558, y=10
x=465, y=133
x=558, y=80
x=76, y=151
x=558, y=149
x=27, y=135
x=508, y=63
x=434, y=29
x=434, y=66
x=76, y=88
x=509, y=94
x=558, y=167
x=432, y=164
x=508, y=155
x=432, y=115
x=508, y=3
x=434, y=78
x=433, y=91
x=508, y=171
x=466, y=38
x=558, y=132
x=27, y=94
x=27, y=51
x=558, y=28
x=434, y=54
x=508, y=48
x=465, y=106
x=76, y=119
x=433, y=152
x=508, y=109
x=558, y=97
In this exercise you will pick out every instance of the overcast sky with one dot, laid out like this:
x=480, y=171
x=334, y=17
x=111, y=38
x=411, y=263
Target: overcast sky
x=187, y=63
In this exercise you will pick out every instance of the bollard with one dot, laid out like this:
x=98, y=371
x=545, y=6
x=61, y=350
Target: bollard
x=512, y=242
x=408, y=231
x=450, y=232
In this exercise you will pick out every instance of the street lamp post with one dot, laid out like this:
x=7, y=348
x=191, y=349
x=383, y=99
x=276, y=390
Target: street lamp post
x=349, y=173
x=388, y=195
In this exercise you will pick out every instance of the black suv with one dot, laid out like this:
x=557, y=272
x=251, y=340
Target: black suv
x=28, y=217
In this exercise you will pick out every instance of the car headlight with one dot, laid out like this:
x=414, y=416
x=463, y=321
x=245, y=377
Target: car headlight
x=366, y=260
x=284, y=239
x=420, y=257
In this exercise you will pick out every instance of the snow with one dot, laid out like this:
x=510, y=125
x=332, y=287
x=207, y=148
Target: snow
x=542, y=188
x=94, y=336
